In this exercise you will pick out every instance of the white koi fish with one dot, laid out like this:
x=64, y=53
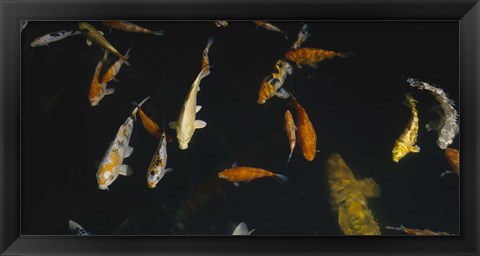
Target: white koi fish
x=111, y=165
x=76, y=229
x=157, y=170
x=242, y=230
x=186, y=124
x=53, y=37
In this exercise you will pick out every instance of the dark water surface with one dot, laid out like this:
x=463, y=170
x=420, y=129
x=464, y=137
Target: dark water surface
x=355, y=104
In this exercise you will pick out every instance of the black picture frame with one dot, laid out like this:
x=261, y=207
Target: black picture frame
x=466, y=12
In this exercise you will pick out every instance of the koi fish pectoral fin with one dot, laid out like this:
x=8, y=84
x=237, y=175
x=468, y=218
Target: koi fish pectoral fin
x=172, y=125
x=89, y=43
x=369, y=188
x=281, y=178
x=168, y=170
x=128, y=151
x=251, y=231
x=199, y=124
x=124, y=170
x=234, y=165
x=197, y=108
x=282, y=93
x=415, y=149
x=236, y=184
x=109, y=91
x=433, y=125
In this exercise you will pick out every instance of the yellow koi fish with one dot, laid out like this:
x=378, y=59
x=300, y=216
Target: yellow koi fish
x=290, y=129
x=111, y=166
x=406, y=143
x=130, y=27
x=271, y=85
x=94, y=35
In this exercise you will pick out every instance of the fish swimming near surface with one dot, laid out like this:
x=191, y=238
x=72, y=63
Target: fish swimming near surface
x=186, y=124
x=290, y=128
x=205, y=60
x=349, y=198
x=157, y=169
x=130, y=27
x=272, y=84
x=418, y=232
x=242, y=230
x=76, y=229
x=53, y=37
x=238, y=174
x=221, y=23
x=406, y=143
x=94, y=35
x=302, y=36
x=113, y=70
x=111, y=166
x=270, y=27
x=305, y=131
x=453, y=157
x=312, y=56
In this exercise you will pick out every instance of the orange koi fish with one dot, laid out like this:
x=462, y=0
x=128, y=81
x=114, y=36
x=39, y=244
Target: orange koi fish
x=419, y=232
x=453, y=157
x=290, y=129
x=246, y=174
x=311, y=56
x=150, y=125
x=114, y=69
x=272, y=84
x=130, y=27
x=205, y=61
x=270, y=27
x=98, y=89
x=306, y=132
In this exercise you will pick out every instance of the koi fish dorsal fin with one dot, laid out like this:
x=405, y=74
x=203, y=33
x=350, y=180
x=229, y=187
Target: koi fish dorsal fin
x=369, y=187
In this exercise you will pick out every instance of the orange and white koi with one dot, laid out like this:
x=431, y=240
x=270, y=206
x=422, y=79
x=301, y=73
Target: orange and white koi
x=157, y=169
x=406, y=143
x=271, y=85
x=130, y=27
x=113, y=70
x=290, y=128
x=453, y=157
x=418, y=232
x=306, y=133
x=205, y=60
x=98, y=89
x=111, y=166
x=221, y=23
x=302, y=36
x=96, y=36
x=270, y=27
x=311, y=56
x=238, y=174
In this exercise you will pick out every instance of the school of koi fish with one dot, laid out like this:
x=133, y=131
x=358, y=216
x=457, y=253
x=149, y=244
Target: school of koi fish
x=348, y=195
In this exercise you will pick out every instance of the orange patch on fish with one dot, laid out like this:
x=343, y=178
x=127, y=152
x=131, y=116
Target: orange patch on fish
x=311, y=56
x=306, y=133
x=150, y=125
x=244, y=174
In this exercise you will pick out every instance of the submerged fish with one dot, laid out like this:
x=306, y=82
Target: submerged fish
x=221, y=23
x=453, y=157
x=447, y=126
x=98, y=89
x=94, y=35
x=111, y=165
x=271, y=85
x=130, y=27
x=113, y=70
x=270, y=27
x=290, y=128
x=205, y=61
x=53, y=37
x=242, y=230
x=348, y=198
x=419, y=232
x=150, y=125
x=186, y=124
x=306, y=133
x=311, y=56
x=76, y=229
x=406, y=143
x=238, y=174
x=302, y=36
x=157, y=169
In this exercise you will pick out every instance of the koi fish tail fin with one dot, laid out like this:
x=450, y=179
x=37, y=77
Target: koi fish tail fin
x=346, y=54
x=137, y=106
x=401, y=228
x=281, y=178
x=159, y=33
x=289, y=156
x=445, y=172
x=285, y=34
x=127, y=54
x=205, y=72
x=210, y=42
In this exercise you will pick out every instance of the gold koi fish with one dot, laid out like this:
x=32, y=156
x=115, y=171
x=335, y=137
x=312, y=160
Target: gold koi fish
x=271, y=85
x=94, y=35
x=311, y=56
x=130, y=27
x=238, y=174
x=306, y=133
x=290, y=129
x=270, y=27
x=406, y=143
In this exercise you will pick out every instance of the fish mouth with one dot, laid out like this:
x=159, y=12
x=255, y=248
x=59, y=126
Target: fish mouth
x=183, y=146
x=103, y=187
x=152, y=185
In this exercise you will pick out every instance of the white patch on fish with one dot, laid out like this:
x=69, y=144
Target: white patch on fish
x=53, y=37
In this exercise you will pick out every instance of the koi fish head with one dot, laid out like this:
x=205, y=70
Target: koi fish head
x=267, y=90
x=153, y=177
x=221, y=175
x=105, y=177
x=41, y=41
x=183, y=139
x=398, y=152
